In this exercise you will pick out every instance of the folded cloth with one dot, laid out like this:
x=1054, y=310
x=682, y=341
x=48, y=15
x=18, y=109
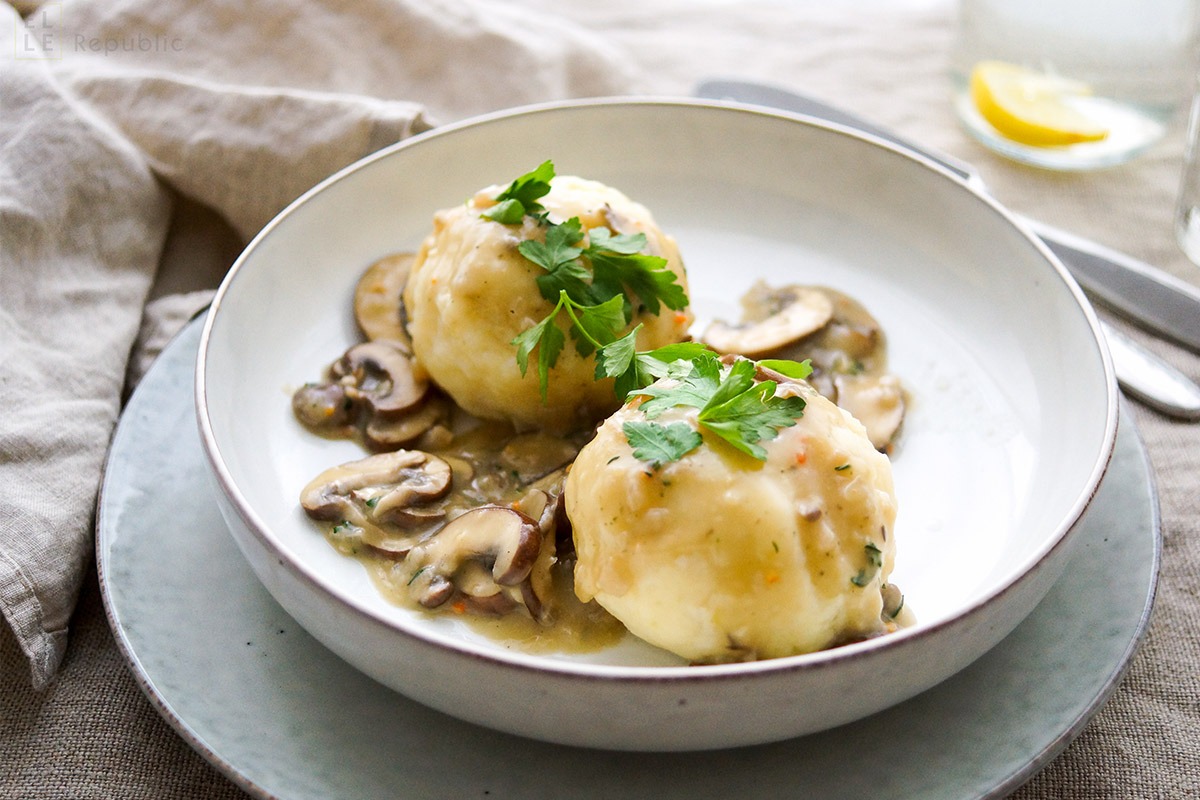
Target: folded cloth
x=238, y=106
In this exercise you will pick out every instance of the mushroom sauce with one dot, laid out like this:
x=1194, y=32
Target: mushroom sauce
x=451, y=514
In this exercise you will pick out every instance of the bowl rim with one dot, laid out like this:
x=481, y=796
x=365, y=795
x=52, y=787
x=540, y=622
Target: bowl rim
x=607, y=673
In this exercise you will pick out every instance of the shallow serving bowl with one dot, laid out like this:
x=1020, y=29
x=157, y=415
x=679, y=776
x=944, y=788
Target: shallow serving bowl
x=1010, y=428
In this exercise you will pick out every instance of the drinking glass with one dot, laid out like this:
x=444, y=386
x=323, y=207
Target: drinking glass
x=1187, y=210
x=1124, y=66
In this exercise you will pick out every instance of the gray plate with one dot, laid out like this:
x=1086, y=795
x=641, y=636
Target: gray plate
x=283, y=717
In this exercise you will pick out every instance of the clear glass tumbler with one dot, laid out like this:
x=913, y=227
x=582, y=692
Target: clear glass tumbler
x=1187, y=210
x=1073, y=84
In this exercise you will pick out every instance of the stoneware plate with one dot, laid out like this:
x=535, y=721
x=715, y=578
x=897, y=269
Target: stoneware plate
x=1011, y=426
x=285, y=718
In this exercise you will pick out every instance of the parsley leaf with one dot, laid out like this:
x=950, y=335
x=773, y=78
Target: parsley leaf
x=658, y=444
x=624, y=243
x=646, y=276
x=732, y=405
x=547, y=339
x=754, y=415
x=792, y=369
x=591, y=282
x=558, y=256
x=633, y=370
x=694, y=389
x=596, y=326
x=522, y=195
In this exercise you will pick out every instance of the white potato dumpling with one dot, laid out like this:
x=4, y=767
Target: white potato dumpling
x=720, y=557
x=471, y=293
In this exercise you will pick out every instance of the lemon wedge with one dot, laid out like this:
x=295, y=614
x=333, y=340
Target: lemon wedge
x=1031, y=107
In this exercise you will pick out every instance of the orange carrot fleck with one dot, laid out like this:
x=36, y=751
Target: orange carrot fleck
x=459, y=607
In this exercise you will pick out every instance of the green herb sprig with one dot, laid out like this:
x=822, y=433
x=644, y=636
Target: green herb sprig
x=733, y=406
x=522, y=195
x=590, y=281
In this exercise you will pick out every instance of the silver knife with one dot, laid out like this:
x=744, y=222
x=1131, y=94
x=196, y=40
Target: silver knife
x=1146, y=294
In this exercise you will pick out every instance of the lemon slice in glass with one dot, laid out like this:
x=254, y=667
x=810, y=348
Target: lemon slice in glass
x=1031, y=107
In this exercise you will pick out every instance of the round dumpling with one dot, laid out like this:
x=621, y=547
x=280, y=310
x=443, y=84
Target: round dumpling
x=720, y=557
x=471, y=293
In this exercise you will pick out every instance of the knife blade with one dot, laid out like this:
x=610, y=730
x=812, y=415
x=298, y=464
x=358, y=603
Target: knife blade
x=1150, y=296
x=1147, y=295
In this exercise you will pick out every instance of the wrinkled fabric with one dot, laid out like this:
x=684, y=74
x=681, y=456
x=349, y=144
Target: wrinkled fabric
x=162, y=135
x=111, y=109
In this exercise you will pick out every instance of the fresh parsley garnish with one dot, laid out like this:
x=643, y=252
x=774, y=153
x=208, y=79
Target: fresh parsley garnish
x=634, y=370
x=732, y=404
x=792, y=369
x=590, y=276
x=658, y=444
x=522, y=195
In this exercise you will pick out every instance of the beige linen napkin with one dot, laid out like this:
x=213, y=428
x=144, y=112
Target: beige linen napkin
x=237, y=106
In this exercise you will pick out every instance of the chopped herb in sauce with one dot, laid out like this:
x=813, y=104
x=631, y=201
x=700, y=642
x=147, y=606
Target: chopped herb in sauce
x=874, y=562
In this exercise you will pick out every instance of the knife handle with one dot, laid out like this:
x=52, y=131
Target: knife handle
x=1148, y=296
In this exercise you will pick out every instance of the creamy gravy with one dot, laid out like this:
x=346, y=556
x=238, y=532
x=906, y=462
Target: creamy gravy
x=494, y=465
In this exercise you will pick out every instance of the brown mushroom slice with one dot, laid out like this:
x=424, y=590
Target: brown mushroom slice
x=381, y=374
x=500, y=538
x=790, y=313
x=423, y=478
x=542, y=501
x=353, y=493
x=324, y=407
x=877, y=401
x=378, y=307
x=856, y=340
x=534, y=455
x=384, y=433
x=893, y=601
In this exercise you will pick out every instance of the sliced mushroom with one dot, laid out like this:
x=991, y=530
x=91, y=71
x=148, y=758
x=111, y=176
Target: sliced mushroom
x=378, y=307
x=423, y=478
x=376, y=391
x=856, y=340
x=543, y=501
x=877, y=401
x=388, y=433
x=893, y=601
x=774, y=318
x=381, y=375
x=501, y=539
x=534, y=455
x=382, y=496
x=324, y=407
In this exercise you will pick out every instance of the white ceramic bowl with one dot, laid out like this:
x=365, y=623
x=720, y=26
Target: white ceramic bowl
x=1010, y=429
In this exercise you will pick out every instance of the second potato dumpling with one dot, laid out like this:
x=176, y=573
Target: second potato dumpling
x=720, y=557
x=472, y=292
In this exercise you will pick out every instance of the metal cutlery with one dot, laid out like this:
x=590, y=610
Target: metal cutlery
x=1147, y=295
